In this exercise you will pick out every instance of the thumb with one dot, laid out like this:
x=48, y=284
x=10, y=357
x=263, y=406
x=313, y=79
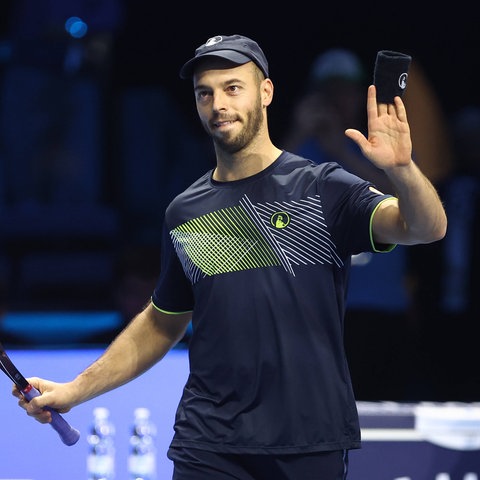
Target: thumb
x=355, y=135
x=359, y=138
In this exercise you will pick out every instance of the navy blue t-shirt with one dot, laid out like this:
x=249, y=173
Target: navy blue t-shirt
x=263, y=264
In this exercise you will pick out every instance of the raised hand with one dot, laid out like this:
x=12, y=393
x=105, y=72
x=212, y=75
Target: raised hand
x=389, y=144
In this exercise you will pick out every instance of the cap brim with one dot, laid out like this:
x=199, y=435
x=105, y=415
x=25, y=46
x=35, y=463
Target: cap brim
x=235, y=57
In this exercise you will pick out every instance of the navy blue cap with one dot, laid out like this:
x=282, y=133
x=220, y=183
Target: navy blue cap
x=235, y=48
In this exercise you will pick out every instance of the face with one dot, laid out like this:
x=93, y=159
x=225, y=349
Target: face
x=230, y=103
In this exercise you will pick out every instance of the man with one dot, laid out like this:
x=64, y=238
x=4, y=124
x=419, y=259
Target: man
x=256, y=253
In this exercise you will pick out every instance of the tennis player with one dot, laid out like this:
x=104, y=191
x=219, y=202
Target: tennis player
x=256, y=253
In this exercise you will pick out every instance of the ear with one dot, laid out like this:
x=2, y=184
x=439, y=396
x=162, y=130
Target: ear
x=267, y=92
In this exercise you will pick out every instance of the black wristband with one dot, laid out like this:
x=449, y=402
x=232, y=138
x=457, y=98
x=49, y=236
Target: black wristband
x=390, y=75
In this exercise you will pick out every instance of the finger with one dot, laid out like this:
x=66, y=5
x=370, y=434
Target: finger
x=22, y=402
x=374, y=109
x=42, y=416
x=358, y=138
x=16, y=392
x=35, y=411
x=400, y=109
x=354, y=135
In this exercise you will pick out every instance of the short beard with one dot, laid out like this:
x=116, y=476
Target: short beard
x=253, y=124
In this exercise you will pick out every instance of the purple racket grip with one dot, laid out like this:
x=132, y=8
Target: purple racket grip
x=68, y=434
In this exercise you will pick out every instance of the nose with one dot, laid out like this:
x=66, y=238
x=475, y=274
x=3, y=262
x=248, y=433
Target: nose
x=219, y=102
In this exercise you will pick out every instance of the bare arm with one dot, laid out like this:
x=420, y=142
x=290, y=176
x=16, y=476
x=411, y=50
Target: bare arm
x=144, y=342
x=417, y=215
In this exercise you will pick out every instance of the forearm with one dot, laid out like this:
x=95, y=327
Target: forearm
x=147, y=339
x=422, y=216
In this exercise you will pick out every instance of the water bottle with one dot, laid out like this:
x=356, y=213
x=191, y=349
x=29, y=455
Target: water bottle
x=101, y=452
x=142, y=456
x=442, y=476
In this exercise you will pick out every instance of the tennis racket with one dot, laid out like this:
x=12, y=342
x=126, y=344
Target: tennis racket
x=68, y=434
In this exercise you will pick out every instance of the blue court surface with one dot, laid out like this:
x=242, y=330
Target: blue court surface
x=400, y=441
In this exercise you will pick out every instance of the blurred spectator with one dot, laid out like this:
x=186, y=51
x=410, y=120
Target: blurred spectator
x=445, y=281
x=334, y=100
x=429, y=126
x=381, y=340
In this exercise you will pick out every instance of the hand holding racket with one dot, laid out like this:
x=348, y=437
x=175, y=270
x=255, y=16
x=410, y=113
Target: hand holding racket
x=68, y=434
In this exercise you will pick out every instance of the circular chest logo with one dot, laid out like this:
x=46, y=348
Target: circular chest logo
x=280, y=219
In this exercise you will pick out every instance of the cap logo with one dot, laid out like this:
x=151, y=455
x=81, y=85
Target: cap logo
x=235, y=48
x=402, y=80
x=213, y=40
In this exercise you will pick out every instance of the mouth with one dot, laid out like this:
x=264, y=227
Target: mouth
x=223, y=123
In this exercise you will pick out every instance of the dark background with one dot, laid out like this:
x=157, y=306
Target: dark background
x=50, y=269
x=154, y=44
x=155, y=38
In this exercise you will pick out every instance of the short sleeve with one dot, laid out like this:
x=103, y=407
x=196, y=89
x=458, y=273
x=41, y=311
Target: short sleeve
x=173, y=292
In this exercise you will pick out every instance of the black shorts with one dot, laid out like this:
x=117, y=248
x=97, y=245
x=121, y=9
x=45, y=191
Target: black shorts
x=193, y=464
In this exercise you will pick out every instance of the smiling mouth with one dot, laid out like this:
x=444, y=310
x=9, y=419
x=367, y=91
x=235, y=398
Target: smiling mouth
x=223, y=123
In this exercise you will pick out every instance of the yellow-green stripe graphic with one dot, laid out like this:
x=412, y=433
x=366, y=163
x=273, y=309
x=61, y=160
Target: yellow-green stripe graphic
x=223, y=241
x=244, y=237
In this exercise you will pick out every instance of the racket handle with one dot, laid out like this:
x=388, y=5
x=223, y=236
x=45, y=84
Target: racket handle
x=68, y=434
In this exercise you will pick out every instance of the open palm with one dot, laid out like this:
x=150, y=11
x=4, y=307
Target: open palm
x=389, y=143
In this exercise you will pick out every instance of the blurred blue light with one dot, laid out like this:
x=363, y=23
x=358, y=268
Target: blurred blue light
x=5, y=51
x=76, y=27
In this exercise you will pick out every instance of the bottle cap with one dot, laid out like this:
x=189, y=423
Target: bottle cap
x=101, y=412
x=141, y=412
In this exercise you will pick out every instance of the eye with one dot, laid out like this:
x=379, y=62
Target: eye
x=202, y=95
x=233, y=89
